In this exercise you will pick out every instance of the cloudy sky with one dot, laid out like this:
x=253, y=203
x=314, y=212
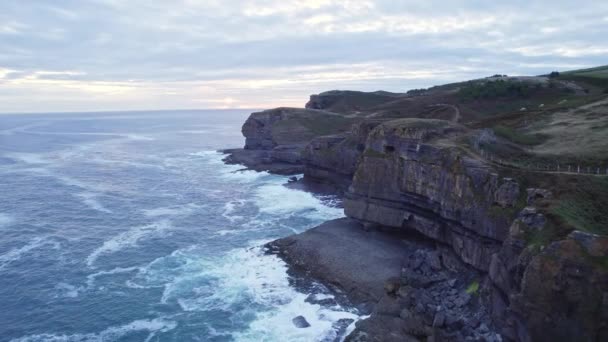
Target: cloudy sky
x=77, y=55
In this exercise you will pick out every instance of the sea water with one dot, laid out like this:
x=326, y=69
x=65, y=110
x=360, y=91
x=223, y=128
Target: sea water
x=129, y=227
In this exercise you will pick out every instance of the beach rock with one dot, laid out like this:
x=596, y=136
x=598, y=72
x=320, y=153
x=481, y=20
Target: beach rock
x=337, y=251
x=439, y=319
x=535, y=195
x=391, y=286
x=300, y=322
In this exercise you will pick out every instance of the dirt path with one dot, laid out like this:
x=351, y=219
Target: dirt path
x=456, y=116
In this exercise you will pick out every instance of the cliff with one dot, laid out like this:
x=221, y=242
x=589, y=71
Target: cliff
x=518, y=242
x=276, y=138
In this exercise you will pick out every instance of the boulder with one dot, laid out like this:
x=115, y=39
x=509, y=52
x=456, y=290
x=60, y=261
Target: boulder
x=300, y=322
x=507, y=193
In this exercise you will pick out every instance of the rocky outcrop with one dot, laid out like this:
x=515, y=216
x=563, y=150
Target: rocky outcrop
x=557, y=293
x=334, y=159
x=346, y=101
x=275, y=139
x=406, y=287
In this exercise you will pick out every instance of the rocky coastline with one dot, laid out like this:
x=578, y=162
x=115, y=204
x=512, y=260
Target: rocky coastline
x=436, y=244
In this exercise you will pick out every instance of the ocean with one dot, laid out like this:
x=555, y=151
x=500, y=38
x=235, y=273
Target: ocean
x=127, y=226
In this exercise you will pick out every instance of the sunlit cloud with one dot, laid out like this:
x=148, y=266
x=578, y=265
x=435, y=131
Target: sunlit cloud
x=113, y=54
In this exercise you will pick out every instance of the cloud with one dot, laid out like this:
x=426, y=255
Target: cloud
x=111, y=54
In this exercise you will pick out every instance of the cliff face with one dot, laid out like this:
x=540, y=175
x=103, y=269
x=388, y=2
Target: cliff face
x=335, y=158
x=406, y=181
x=412, y=177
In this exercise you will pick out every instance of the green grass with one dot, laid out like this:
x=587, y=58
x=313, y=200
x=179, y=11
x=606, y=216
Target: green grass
x=585, y=206
x=473, y=288
x=601, y=71
x=542, y=237
x=495, y=89
x=324, y=125
x=519, y=137
x=597, y=77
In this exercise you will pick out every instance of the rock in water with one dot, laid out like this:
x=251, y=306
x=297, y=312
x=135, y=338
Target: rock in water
x=300, y=322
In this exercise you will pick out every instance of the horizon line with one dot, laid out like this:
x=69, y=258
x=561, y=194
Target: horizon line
x=127, y=110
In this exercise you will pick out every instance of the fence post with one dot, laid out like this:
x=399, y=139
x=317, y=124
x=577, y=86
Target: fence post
x=578, y=169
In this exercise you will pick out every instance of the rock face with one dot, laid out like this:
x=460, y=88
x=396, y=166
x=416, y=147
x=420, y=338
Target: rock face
x=407, y=181
x=335, y=158
x=560, y=293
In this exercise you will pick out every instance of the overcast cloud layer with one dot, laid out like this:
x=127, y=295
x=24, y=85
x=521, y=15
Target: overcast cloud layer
x=74, y=55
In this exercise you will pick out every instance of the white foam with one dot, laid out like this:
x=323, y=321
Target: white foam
x=6, y=220
x=154, y=326
x=243, y=176
x=90, y=199
x=127, y=239
x=229, y=209
x=91, y=278
x=245, y=275
x=322, y=296
x=139, y=137
x=214, y=158
x=277, y=199
x=67, y=290
x=176, y=210
x=28, y=158
x=17, y=253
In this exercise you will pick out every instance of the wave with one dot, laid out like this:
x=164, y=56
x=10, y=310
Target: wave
x=247, y=283
x=175, y=210
x=153, y=326
x=91, y=278
x=67, y=290
x=6, y=220
x=28, y=158
x=90, y=199
x=127, y=239
x=17, y=253
x=293, y=202
x=229, y=209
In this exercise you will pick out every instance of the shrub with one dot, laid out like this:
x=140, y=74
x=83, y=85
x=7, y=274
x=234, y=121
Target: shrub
x=495, y=89
x=473, y=288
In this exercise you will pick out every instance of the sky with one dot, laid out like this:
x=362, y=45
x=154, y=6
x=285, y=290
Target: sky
x=101, y=55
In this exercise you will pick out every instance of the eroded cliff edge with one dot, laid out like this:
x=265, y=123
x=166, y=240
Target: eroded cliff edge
x=534, y=276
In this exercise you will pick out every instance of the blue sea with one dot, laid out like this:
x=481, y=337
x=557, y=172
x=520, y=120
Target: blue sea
x=129, y=227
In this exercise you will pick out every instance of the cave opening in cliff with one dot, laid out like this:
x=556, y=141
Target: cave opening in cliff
x=389, y=148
